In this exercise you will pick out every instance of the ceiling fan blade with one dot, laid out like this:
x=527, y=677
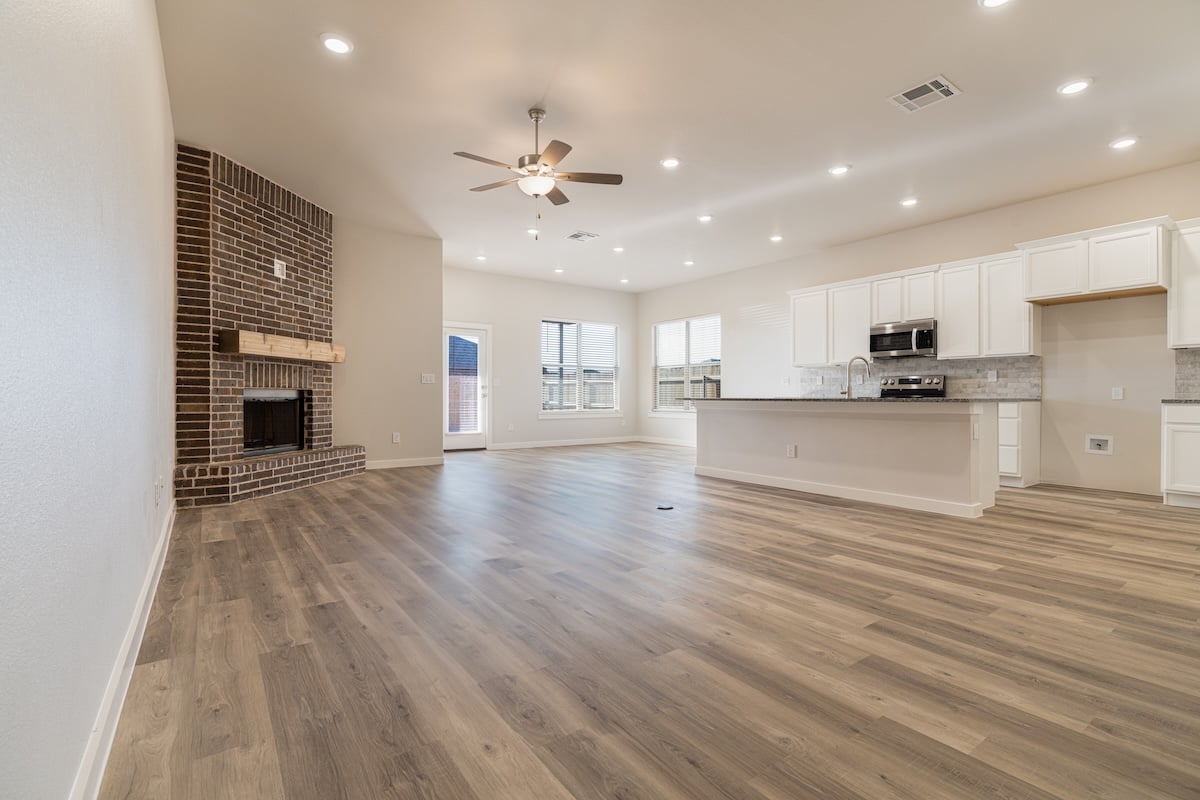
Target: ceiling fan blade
x=495, y=185
x=590, y=177
x=491, y=161
x=557, y=197
x=555, y=152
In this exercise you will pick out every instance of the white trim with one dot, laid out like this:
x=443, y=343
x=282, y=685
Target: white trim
x=391, y=463
x=672, y=414
x=99, y=744
x=664, y=440
x=849, y=492
x=486, y=327
x=576, y=414
x=1183, y=500
x=561, y=443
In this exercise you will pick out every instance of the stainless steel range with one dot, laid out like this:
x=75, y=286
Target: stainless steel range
x=912, y=386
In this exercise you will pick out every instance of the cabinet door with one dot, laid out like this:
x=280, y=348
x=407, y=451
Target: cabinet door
x=1181, y=458
x=1005, y=314
x=1056, y=270
x=958, y=317
x=887, y=301
x=1126, y=259
x=810, y=329
x=1009, y=459
x=1183, y=301
x=920, y=296
x=849, y=322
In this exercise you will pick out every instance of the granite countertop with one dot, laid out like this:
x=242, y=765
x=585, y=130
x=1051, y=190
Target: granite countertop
x=1182, y=400
x=892, y=399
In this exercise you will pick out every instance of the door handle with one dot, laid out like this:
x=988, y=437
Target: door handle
x=914, y=340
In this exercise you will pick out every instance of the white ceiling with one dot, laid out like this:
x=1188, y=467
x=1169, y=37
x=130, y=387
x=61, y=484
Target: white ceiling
x=756, y=98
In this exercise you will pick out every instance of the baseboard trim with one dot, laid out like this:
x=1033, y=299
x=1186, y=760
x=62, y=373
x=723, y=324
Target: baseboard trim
x=95, y=755
x=430, y=461
x=664, y=440
x=948, y=507
x=560, y=443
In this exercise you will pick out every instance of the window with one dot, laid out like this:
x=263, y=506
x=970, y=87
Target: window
x=687, y=362
x=579, y=366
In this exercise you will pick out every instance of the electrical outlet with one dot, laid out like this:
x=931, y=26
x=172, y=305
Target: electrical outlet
x=511, y=427
x=1099, y=444
x=427, y=377
x=280, y=268
x=395, y=437
x=1118, y=393
x=791, y=451
x=785, y=381
x=991, y=376
x=820, y=380
x=858, y=380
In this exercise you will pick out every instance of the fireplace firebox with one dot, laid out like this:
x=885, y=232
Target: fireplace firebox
x=272, y=421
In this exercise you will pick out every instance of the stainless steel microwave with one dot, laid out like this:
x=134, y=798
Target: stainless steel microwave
x=904, y=339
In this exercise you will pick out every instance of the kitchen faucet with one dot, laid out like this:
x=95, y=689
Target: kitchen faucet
x=847, y=391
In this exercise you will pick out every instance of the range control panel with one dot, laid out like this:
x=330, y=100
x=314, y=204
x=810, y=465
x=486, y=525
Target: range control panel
x=912, y=386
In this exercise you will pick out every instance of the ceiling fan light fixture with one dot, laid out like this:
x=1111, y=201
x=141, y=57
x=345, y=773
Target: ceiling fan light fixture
x=536, y=185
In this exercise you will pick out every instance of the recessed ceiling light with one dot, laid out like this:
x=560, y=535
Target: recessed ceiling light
x=840, y=169
x=670, y=163
x=618, y=249
x=992, y=3
x=1074, y=86
x=532, y=231
x=481, y=258
x=624, y=280
x=688, y=263
x=559, y=269
x=336, y=44
x=705, y=217
x=1124, y=143
x=909, y=202
x=777, y=238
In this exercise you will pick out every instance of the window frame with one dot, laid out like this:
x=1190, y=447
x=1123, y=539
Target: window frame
x=690, y=411
x=579, y=410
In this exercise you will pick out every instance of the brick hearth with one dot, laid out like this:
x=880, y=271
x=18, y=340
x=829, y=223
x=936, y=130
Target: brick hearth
x=231, y=225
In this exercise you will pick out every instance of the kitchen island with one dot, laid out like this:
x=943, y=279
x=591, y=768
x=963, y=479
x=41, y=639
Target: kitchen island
x=928, y=454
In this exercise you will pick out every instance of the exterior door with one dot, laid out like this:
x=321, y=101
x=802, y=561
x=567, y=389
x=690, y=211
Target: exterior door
x=464, y=359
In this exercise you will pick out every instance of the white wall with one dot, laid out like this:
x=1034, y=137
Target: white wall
x=387, y=310
x=753, y=303
x=1089, y=348
x=515, y=307
x=86, y=312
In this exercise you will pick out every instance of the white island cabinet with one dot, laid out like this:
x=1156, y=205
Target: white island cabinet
x=1181, y=454
x=928, y=455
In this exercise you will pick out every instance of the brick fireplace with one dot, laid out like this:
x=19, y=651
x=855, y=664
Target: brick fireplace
x=231, y=226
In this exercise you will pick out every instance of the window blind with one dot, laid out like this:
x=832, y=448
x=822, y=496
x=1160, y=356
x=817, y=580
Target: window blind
x=579, y=366
x=687, y=362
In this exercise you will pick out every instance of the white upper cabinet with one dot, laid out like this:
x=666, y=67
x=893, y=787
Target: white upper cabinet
x=810, y=328
x=1009, y=326
x=1121, y=260
x=1183, y=300
x=904, y=297
x=849, y=322
x=958, y=315
x=1056, y=270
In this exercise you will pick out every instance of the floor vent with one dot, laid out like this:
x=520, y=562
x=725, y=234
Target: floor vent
x=932, y=91
x=583, y=236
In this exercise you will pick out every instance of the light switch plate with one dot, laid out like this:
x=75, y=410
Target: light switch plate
x=280, y=268
x=427, y=377
x=991, y=376
x=395, y=437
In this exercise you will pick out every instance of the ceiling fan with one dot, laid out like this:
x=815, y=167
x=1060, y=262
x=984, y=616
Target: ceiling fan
x=536, y=174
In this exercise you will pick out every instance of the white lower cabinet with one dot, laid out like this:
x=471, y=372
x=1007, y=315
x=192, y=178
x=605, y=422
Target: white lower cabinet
x=1181, y=455
x=1020, y=451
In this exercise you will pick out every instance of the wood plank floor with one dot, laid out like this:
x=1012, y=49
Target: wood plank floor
x=526, y=625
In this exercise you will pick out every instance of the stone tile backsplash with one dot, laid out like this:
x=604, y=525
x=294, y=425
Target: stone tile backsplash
x=1016, y=377
x=1187, y=374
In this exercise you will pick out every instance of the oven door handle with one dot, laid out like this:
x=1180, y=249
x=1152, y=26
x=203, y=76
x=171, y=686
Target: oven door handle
x=914, y=340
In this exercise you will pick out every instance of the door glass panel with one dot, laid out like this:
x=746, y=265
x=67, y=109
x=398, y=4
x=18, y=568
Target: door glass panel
x=463, y=386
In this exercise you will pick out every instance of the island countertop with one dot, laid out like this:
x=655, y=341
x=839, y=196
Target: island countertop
x=885, y=400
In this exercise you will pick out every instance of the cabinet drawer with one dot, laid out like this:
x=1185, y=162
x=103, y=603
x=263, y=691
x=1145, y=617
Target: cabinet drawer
x=1009, y=410
x=1173, y=412
x=1010, y=460
x=1010, y=432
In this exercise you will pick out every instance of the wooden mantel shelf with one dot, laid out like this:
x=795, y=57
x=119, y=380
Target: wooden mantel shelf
x=251, y=343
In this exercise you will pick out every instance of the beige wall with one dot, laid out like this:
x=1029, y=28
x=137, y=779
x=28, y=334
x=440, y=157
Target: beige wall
x=387, y=310
x=86, y=315
x=515, y=307
x=753, y=302
x=1090, y=348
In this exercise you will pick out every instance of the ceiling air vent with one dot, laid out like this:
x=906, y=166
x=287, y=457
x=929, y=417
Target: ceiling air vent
x=582, y=236
x=932, y=91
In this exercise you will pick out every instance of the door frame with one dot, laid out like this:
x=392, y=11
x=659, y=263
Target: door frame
x=485, y=378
